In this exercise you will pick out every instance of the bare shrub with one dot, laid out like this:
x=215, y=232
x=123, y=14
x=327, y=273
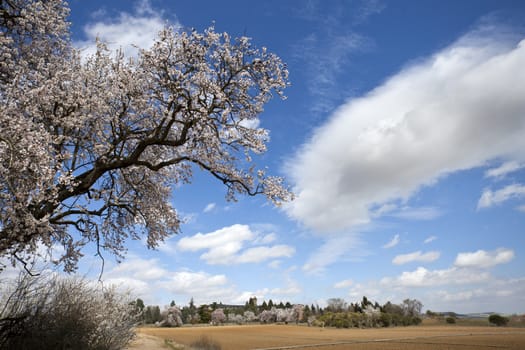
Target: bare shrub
x=64, y=313
x=205, y=343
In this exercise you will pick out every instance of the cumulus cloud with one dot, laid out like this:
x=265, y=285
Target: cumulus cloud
x=490, y=198
x=422, y=277
x=405, y=134
x=198, y=283
x=504, y=169
x=140, y=269
x=227, y=246
x=126, y=31
x=484, y=259
x=258, y=254
x=416, y=257
x=393, y=242
x=443, y=292
x=152, y=281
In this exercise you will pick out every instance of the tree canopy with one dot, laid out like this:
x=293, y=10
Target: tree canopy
x=91, y=148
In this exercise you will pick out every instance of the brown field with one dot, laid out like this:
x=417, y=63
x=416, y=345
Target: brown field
x=426, y=337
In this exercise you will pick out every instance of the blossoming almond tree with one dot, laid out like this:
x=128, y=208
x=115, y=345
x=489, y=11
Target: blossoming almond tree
x=90, y=149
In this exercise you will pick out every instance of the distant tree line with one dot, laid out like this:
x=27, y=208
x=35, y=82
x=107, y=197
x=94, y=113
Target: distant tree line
x=337, y=313
x=365, y=314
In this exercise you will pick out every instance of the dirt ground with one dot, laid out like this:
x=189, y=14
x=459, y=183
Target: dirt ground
x=274, y=337
x=147, y=342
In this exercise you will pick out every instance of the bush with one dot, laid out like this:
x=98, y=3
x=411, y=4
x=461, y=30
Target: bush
x=65, y=313
x=450, y=320
x=205, y=343
x=498, y=320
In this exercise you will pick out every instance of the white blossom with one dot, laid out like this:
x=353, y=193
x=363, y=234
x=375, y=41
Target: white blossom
x=90, y=149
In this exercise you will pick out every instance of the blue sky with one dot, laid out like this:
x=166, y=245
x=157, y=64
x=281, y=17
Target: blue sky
x=402, y=137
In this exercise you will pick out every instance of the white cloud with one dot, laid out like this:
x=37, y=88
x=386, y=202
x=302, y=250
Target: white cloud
x=430, y=239
x=202, y=286
x=187, y=282
x=504, y=169
x=157, y=284
x=371, y=290
x=154, y=282
x=521, y=208
x=126, y=30
x=258, y=254
x=406, y=133
x=484, y=259
x=209, y=207
x=393, y=242
x=421, y=277
x=269, y=238
x=225, y=246
x=416, y=256
x=343, y=284
x=444, y=293
x=141, y=269
x=490, y=198
x=234, y=234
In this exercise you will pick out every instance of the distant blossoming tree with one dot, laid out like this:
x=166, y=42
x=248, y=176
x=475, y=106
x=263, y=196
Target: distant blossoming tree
x=218, y=317
x=91, y=148
x=172, y=317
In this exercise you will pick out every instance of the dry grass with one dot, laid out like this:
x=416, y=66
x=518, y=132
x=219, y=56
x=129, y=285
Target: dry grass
x=428, y=337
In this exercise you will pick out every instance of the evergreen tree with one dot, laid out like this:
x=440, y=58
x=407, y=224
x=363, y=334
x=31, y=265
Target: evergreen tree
x=139, y=304
x=204, y=313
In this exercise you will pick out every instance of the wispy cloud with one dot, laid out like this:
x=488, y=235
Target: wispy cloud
x=423, y=213
x=416, y=257
x=343, y=284
x=406, y=133
x=368, y=8
x=490, y=198
x=326, y=52
x=209, y=207
x=393, y=242
x=504, y=169
x=430, y=239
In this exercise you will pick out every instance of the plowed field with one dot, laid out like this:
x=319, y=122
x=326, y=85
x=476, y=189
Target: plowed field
x=301, y=337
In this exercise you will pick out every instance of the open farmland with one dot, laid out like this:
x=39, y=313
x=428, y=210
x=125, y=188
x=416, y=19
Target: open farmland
x=301, y=337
